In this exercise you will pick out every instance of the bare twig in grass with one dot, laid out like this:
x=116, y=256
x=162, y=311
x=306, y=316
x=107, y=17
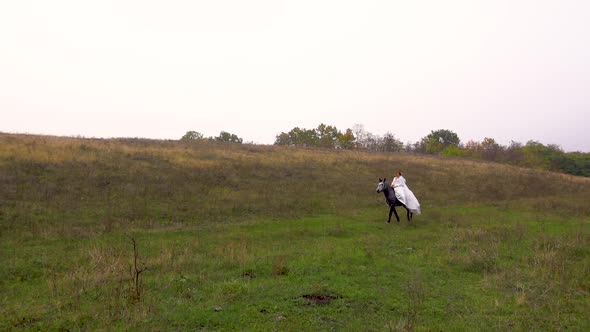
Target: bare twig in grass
x=136, y=270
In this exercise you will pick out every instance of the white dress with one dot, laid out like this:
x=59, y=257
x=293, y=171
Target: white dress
x=405, y=195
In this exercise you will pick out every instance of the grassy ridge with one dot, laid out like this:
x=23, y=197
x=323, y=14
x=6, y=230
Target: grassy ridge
x=252, y=230
x=57, y=180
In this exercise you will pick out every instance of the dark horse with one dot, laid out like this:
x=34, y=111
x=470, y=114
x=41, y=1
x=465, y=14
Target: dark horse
x=392, y=201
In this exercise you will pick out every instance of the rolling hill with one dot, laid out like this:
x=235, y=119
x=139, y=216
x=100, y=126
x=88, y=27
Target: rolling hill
x=253, y=237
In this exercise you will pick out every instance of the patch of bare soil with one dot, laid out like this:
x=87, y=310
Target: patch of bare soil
x=320, y=299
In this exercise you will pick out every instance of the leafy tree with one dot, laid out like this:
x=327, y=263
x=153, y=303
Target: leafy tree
x=284, y=139
x=324, y=136
x=224, y=136
x=438, y=140
x=576, y=163
x=537, y=155
x=327, y=136
x=513, y=154
x=192, y=135
x=453, y=151
x=297, y=137
x=347, y=140
x=307, y=137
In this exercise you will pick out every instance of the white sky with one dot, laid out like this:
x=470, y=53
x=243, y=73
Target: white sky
x=507, y=69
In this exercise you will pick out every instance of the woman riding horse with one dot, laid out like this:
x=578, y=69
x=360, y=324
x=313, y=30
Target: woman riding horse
x=404, y=194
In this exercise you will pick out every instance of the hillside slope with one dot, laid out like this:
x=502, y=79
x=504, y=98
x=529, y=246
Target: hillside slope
x=239, y=237
x=88, y=181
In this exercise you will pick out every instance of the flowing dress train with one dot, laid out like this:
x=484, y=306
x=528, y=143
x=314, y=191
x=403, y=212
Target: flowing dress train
x=405, y=195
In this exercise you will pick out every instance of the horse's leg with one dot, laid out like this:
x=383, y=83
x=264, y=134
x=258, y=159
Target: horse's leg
x=391, y=209
x=408, y=214
x=394, y=211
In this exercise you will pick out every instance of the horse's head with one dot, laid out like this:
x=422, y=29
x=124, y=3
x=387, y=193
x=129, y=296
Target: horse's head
x=382, y=185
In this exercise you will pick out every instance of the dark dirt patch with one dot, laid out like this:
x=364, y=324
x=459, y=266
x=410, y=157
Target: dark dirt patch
x=249, y=275
x=320, y=299
x=25, y=322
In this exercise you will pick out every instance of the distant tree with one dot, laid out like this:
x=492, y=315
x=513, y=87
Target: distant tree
x=409, y=147
x=372, y=142
x=307, y=137
x=490, y=149
x=431, y=145
x=347, y=140
x=453, y=151
x=417, y=147
x=513, y=154
x=369, y=141
x=473, y=149
x=391, y=144
x=327, y=136
x=297, y=137
x=284, y=139
x=227, y=137
x=361, y=136
x=323, y=136
x=552, y=157
x=192, y=135
x=537, y=155
x=576, y=163
x=438, y=140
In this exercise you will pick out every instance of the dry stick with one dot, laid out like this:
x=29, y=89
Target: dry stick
x=137, y=271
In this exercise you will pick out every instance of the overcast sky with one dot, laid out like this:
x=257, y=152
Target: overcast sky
x=507, y=69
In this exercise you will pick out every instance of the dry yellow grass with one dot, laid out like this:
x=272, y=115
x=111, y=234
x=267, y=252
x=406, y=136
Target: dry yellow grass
x=137, y=183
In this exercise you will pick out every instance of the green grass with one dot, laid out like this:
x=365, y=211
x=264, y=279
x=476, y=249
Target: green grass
x=456, y=269
x=489, y=252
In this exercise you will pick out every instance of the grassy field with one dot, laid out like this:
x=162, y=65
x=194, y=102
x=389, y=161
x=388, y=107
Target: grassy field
x=239, y=237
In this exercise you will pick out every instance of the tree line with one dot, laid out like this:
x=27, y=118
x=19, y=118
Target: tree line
x=532, y=154
x=223, y=136
x=325, y=136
